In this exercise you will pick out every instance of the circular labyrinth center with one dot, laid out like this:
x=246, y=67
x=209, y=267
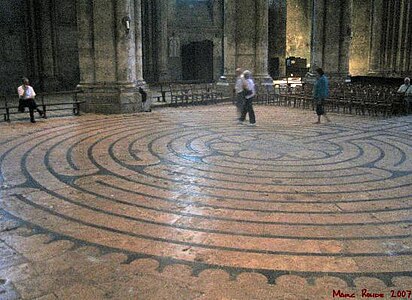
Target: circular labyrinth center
x=324, y=199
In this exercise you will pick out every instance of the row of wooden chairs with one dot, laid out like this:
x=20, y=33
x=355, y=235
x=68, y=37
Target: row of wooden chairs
x=343, y=98
x=194, y=94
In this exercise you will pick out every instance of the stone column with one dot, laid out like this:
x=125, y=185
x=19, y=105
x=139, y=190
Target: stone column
x=405, y=27
x=261, y=46
x=375, y=58
x=48, y=42
x=277, y=34
x=331, y=35
x=125, y=43
x=107, y=49
x=229, y=39
x=406, y=65
x=32, y=43
x=394, y=35
x=318, y=37
x=163, y=55
x=345, y=37
x=138, y=42
x=85, y=36
x=387, y=38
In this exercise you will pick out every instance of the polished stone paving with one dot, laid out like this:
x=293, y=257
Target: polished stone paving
x=186, y=203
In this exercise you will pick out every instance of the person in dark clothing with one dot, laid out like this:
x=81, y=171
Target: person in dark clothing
x=145, y=103
x=320, y=93
x=250, y=93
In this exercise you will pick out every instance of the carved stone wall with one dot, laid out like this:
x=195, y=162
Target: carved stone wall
x=13, y=40
x=396, y=38
x=38, y=40
x=174, y=24
x=110, y=36
x=331, y=36
x=277, y=38
x=59, y=44
x=381, y=42
x=299, y=14
x=361, y=28
x=246, y=37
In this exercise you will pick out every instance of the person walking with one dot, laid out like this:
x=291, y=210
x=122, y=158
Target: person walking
x=26, y=99
x=320, y=93
x=250, y=93
x=239, y=92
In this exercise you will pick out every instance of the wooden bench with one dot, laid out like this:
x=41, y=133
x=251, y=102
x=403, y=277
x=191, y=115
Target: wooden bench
x=74, y=105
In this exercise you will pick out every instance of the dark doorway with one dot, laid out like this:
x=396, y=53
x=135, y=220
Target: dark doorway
x=274, y=67
x=197, y=61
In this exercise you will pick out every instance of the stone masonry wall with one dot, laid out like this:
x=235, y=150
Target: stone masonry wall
x=359, y=50
x=298, y=28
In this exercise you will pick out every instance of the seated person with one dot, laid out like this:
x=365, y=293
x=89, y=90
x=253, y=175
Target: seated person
x=406, y=90
x=26, y=99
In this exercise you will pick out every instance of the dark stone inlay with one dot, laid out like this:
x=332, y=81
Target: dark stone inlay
x=198, y=267
x=206, y=246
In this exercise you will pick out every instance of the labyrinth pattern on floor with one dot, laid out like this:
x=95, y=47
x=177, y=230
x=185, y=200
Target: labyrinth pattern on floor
x=192, y=186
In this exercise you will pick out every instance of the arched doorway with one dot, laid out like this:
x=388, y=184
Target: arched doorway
x=197, y=61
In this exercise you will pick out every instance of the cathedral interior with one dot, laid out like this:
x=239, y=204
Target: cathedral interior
x=142, y=184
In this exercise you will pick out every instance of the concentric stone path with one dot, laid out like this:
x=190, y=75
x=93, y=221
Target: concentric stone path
x=191, y=186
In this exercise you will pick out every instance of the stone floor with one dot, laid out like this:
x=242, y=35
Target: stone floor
x=187, y=204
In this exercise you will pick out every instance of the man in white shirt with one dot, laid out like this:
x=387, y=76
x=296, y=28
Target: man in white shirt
x=26, y=99
x=249, y=96
x=240, y=91
x=406, y=90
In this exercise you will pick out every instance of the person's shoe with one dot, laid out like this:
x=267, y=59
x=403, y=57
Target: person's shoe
x=252, y=124
x=33, y=121
x=41, y=113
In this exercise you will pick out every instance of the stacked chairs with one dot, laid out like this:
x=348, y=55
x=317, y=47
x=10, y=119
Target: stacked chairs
x=187, y=93
x=337, y=100
x=365, y=99
x=198, y=94
x=294, y=96
x=362, y=99
x=194, y=94
x=308, y=96
x=214, y=96
x=275, y=99
x=284, y=95
x=176, y=95
x=398, y=105
x=301, y=97
x=384, y=103
x=269, y=94
x=354, y=100
x=350, y=98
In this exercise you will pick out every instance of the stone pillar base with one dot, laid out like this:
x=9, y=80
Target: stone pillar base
x=110, y=100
